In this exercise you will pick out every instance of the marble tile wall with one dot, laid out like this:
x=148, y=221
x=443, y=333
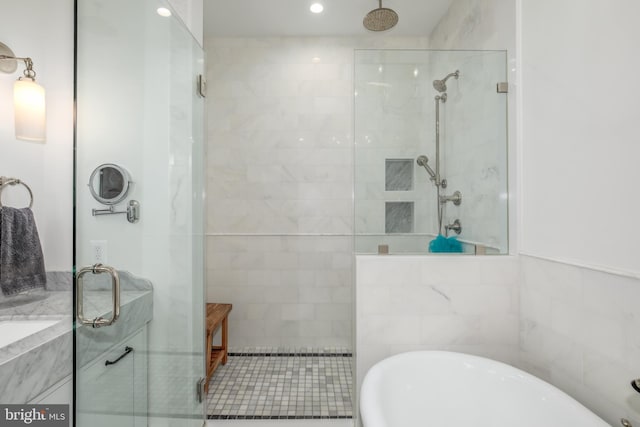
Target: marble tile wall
x=486, y=25
x=464, y=303
x=279, y=158
x=390, y=124
x=279, y=162
x=579, y=331
x=395, y=118
x=474, y=145
x=285, y=290
x=30, y=365
x=280, y=185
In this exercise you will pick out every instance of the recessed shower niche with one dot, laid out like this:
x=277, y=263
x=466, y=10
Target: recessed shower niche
x=429, y=124
x=398, y=175
x=398, y=217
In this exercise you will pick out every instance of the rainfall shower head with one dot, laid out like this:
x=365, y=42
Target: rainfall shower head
x=380, y=19
x=424, y=162
x=441, y=85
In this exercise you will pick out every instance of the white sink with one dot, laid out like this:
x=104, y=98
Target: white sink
x=15, y=330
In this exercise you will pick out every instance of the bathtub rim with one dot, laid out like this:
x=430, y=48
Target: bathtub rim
x=367, y=401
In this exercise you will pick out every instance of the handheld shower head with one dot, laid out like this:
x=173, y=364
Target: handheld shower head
x=441, y=85
x=423, y=161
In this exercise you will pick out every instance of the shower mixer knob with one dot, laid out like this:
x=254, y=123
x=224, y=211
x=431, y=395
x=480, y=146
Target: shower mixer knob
x=455, y=198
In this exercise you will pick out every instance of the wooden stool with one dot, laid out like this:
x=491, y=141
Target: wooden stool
x=216, y=316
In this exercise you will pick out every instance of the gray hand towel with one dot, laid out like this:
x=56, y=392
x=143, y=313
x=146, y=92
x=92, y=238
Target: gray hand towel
x=21, y=259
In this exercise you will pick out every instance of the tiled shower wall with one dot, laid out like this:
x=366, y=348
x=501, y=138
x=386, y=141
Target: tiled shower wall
x=285, y=290
x=474, y=129
x=392, y=123
x=279, y=189
x=395, y=119
x=579, y=331
x=280, y=118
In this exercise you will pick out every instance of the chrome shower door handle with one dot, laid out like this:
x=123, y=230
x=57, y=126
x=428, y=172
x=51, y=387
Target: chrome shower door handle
x=115, y=295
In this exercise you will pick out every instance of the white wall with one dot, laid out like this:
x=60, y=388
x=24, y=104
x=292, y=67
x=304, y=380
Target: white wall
x=580, y=132
x=579, y=173
x=46, y=167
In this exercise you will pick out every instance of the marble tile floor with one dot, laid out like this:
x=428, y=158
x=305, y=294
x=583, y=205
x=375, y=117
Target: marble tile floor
x=280, y=423
x=277, y=384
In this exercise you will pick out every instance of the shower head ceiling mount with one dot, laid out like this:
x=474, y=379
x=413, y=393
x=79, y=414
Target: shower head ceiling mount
x=380, y=19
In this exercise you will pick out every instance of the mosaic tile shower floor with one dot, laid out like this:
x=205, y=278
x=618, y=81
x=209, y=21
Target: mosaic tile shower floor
x=276, y=383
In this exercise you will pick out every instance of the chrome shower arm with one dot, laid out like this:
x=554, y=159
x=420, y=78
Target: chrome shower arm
x=423, y=161
x=432, y=174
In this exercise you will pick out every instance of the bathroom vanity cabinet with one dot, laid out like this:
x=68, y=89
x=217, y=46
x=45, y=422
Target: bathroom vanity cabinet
x=114, y=386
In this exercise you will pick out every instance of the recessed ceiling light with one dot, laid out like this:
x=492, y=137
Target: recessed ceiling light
x=316, y=8
x=315, y=59
x=163, y=11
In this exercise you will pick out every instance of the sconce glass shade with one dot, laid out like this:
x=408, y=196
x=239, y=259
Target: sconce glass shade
x=29, y=107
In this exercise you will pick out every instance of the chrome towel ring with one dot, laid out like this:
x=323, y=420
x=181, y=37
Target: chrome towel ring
x=5, y=181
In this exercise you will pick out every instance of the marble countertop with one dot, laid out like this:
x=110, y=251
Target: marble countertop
x=35, y=362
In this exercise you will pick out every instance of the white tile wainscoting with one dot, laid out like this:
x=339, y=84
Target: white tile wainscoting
x=458, y=303
x=580, y=331
x=579, y=328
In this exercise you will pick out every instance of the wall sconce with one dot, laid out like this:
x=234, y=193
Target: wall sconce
x=28, y=98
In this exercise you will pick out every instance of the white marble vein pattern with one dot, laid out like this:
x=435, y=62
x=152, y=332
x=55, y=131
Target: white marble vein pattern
x=59, y=280
x=395, y=118
x=136, y=310
x=37, y=361
x=399, y=174
x=399, y=217
x=464, y=303
x=279, y=136
x=24, y=377
x=285, y=290
x=579, y=331
x=30, y=365
x=281, y=133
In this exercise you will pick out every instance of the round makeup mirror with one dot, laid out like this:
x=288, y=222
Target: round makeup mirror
x=109, y=184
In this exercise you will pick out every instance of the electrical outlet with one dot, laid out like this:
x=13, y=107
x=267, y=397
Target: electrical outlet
x=99, y=251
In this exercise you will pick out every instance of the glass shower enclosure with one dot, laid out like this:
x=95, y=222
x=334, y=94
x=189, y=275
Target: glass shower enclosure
x=431, y=151
x=138, y=261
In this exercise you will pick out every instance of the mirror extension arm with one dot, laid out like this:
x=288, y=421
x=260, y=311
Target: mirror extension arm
x=133, y=211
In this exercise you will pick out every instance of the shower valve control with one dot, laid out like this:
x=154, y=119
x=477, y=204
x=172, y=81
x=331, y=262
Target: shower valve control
x=456, y=198
x=456, y=226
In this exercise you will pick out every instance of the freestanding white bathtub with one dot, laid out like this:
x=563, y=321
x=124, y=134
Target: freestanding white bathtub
x=438, y=388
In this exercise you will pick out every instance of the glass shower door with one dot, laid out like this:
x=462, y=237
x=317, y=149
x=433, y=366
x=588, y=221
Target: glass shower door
x=410, y=129
x=139, y=326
